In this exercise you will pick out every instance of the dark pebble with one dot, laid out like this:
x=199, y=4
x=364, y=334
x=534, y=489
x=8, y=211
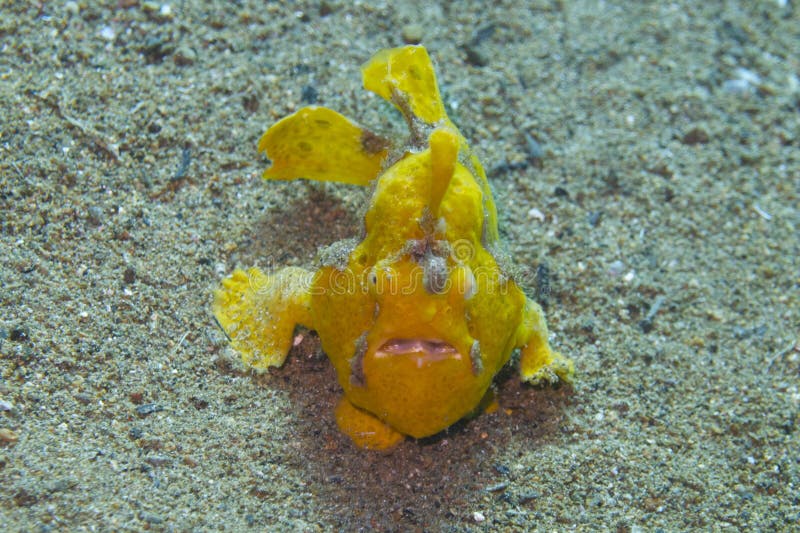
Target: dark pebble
x=25, y=498
x=475, y=57
x=129, y=276
x=695, y=136
x=19, y=334
x=502, y=469
x=309, y=94
x=85, y=399
x=528, y=496
x=148, y=409
x=250, y=103
x=199, y=403
x=156, y=48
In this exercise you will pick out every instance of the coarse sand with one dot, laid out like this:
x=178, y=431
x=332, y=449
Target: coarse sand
x=645, y=158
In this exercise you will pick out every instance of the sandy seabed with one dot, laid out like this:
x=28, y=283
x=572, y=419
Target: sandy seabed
x=645, y=155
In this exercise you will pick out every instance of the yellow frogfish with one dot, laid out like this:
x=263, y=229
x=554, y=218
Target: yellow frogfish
x=416, y=315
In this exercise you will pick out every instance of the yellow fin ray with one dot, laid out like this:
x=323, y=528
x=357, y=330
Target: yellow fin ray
x=320, y=144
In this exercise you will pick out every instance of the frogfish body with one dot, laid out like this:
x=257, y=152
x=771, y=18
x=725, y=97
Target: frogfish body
x=418, y=317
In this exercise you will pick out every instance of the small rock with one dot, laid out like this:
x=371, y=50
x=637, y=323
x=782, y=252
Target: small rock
x=533, y=148
x=148, y=409
x=616, y=268
x=536, y=214
x=478, y=517
x=107, y=33
x=129, y=276
x=309, y=94
x=150, y=518
x=184, y=56
x=165, y=12
x=19, y=334
x=8, y=436
x=694, y=136
x=413, y=33
x=158, y=460
x=475, y=57
x=72, y=8
x=737, y=87
x=95, y=215
x=159, y=13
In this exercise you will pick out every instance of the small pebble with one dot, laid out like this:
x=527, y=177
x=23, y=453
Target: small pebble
x=184, y=55
x=696, y=135
x=150, y=518
x=157, y=460
x=19, y=334
x=616, y=268
x=533, y=148
x=475, y=56
x=129, y=276
x=95, y=215
x=745, y=82
x=8, y=436
x=107, y=33
x=165, y=12
x=737, y=87
x=148, y=409
x=748, y=75
x=72, y=8
x=309, y=94
x=412, y=33
x=478, y=517
x=536, y=214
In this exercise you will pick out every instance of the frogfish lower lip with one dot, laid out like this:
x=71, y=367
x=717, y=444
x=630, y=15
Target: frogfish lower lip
x=423, y=351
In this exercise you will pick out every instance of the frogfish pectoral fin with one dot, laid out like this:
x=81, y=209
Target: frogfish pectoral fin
x=259, y=312
x=538, y=362
x=320, y=144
